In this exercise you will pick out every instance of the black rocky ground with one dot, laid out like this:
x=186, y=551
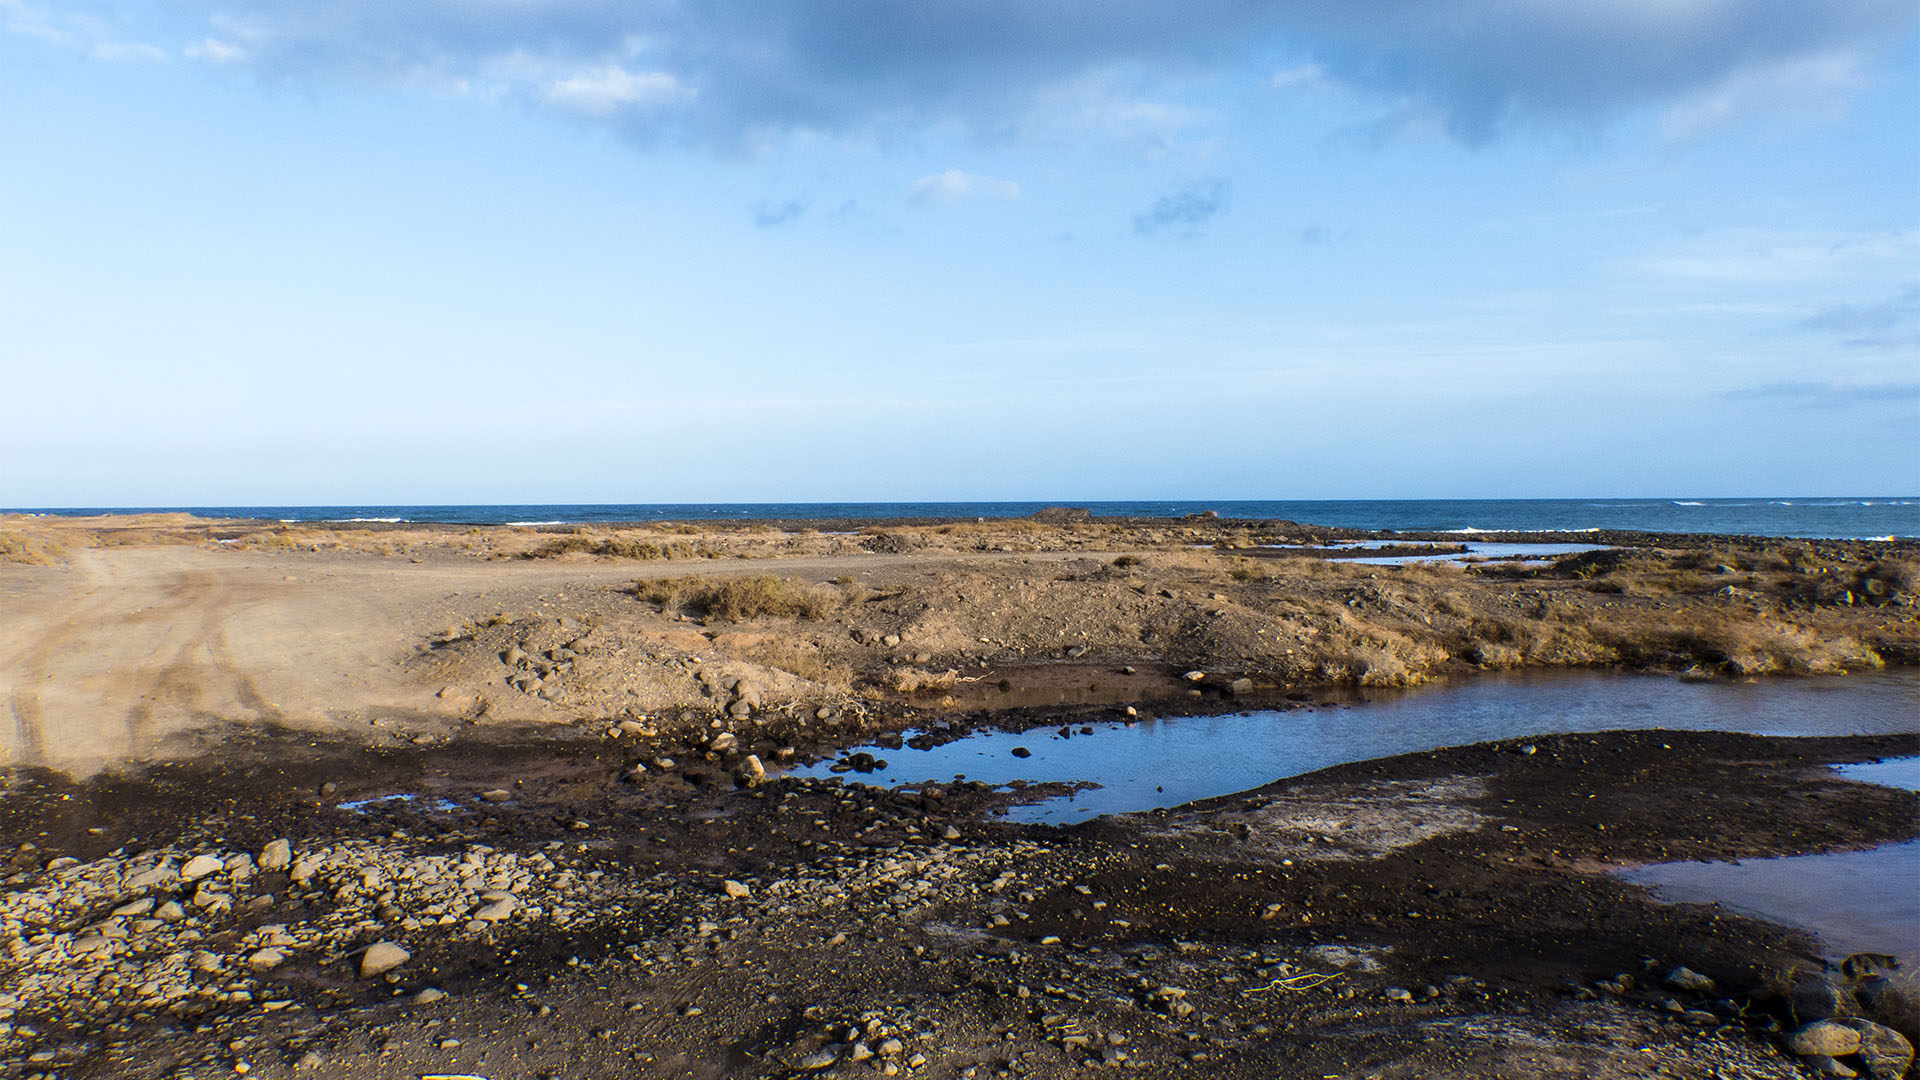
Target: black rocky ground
x=564, y=915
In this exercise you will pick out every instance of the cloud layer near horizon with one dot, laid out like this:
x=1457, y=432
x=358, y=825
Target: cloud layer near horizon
x=726, y=71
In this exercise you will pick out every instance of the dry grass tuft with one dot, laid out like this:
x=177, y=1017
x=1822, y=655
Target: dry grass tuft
x=617, y=547
x=908, y=680
x=33, y=550
x=802, y=659
x=740, y=599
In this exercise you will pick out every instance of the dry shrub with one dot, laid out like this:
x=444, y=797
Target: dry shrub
x=908, y=680
x=739, y=599
x=270, y=542
x=1123, y=561
x=1377, y=657
x=802, y=659
x=1250, y=570
x=16, y=547
x=618, y=547
x=1767, y=650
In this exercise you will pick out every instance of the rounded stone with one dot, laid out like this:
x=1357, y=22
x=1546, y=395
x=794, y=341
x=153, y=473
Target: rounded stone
x=1824, y=1037
x=200, y=866
x=382, y=957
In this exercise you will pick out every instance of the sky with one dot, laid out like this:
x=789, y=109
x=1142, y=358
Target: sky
x=256, y=252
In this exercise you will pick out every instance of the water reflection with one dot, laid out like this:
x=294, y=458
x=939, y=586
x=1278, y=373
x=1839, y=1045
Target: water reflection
x=1167, y=762
x=1855, y=901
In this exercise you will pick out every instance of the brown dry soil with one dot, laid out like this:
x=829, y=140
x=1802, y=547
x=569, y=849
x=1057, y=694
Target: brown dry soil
x=181, y=687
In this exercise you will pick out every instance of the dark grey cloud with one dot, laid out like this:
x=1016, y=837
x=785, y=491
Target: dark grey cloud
x=732, y=69
x=771, y=215
x=1185, y=210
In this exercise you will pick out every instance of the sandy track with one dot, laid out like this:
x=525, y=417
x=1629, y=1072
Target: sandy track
x=117, y=654
x=121, y=651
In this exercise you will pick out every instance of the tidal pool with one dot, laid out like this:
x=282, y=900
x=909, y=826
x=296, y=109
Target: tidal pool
x=1854, y=901
x=1148, y=764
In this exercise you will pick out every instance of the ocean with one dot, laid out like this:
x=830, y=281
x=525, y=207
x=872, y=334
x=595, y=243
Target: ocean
x=1856, y=518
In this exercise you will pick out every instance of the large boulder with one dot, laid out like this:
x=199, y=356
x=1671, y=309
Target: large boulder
x=1884, y=1052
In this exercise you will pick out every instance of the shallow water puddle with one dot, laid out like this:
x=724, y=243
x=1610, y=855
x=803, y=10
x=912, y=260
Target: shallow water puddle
x=1855, y=901
x=359, y=806
x=1158, y=763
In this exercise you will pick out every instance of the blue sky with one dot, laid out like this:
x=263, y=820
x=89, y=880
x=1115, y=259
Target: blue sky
x=546, y=251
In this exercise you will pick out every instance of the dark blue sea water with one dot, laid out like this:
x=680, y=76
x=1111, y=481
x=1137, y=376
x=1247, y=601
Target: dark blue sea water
x=1862, y=517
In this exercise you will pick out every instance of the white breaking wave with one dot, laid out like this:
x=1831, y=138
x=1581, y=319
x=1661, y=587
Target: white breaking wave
x=1680, y=502
x=1471, y=531
x=523, y=524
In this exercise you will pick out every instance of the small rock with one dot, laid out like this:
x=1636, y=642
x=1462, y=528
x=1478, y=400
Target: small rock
x=382, y=957
x=723, y=742
x=1194, y=676
x=1688, y=980
x=737, y=891
x=267, y=959
x=1817, y=998
x=1399, y=993
x=1824, y=1037
x=200, y=866
x=497, y=911
x=148, y=878
x=752, y=771
x=1240, y=687
x=277, y=855
x=1823, y=1065
x=1022, y=752
x=429, y=996
x=824, y=1058
x=496, y=795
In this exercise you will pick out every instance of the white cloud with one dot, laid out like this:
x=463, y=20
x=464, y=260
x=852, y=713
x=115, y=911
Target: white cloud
x=214, y=51
x=126, y=50
x=1303, y=76
x=611, y=88
x=1756, y=256
x=18, y=17
x=1815, y=85
x=954, y=184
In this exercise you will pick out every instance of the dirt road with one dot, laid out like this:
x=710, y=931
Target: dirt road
x=115, y=654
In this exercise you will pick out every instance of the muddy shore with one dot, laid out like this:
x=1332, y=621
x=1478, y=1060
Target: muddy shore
x=244, y=755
